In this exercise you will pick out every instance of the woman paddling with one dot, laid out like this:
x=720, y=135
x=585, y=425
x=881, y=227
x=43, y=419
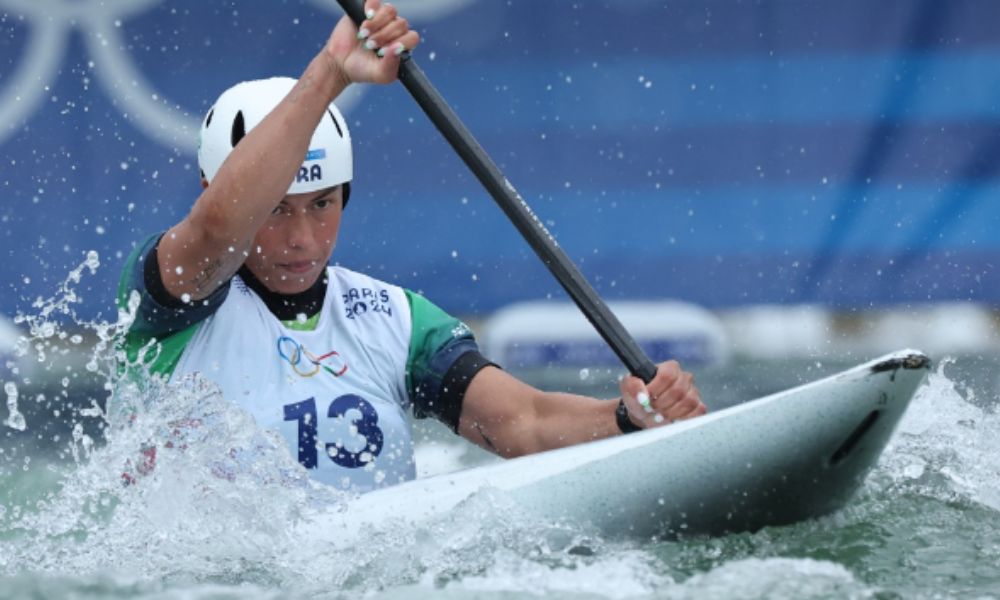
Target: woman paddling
x=240, y=292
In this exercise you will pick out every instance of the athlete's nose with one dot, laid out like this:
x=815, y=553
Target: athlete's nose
x=300, y=233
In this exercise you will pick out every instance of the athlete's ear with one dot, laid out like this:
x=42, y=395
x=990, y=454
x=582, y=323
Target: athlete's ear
x=204, y=183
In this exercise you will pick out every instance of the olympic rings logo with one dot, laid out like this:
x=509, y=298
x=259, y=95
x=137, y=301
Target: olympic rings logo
x=100, y=24
x=305, y=363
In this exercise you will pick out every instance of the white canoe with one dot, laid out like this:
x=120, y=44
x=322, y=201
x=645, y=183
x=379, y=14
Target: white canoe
x=790, y=456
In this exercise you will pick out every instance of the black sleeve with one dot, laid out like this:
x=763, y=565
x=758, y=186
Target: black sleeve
x=447, y=407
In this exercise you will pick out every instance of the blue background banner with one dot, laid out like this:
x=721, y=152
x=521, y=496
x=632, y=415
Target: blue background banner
x=772, y=151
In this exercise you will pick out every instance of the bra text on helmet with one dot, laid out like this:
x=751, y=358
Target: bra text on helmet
x=310, y=173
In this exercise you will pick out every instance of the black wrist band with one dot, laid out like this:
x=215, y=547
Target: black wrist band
x=625, y=424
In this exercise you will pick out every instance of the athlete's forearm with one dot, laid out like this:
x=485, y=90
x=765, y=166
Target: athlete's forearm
x=209, y=245
x=511, y=418
x=568, y=419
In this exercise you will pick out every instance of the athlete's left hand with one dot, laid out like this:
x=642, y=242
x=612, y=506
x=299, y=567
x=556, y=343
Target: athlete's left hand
x=670, y=396
x=371, y=54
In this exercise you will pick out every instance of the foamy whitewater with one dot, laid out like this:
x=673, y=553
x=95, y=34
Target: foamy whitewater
x=217, y=515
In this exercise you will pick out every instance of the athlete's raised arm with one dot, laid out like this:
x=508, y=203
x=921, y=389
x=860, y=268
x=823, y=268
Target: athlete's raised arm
x=207, y=247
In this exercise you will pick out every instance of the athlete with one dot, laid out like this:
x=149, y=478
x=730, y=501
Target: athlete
x=240, y=291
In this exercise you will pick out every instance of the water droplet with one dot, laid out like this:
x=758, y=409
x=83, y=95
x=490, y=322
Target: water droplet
x=15, y=420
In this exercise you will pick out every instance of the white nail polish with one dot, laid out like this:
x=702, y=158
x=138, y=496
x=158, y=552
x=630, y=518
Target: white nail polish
x=363, y=33
x=370, y=45
x=399, y=49
x=370, y=13
x=643, y=399
x=658, y=418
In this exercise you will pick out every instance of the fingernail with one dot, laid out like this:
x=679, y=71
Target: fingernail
x=658, y=418
x=370, y=13
x=399, y=49
x=381, y=52
x=370, y=45
x=363, y=33
x=643, y=399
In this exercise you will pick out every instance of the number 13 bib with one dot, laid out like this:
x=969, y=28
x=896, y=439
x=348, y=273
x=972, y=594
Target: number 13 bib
x=337, y=394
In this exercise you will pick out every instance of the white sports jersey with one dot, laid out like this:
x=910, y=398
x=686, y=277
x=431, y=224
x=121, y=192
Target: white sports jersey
x=337, y=394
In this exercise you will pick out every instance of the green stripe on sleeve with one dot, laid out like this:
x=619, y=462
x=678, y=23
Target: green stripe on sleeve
x=159, y=357
x=437, y=340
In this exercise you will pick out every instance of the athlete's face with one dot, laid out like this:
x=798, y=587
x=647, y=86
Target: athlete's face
x=293, y=247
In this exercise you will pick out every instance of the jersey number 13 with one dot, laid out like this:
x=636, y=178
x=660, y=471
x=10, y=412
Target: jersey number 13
x=367, y=427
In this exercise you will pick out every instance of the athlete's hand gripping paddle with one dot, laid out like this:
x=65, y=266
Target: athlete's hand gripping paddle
x=517, y=210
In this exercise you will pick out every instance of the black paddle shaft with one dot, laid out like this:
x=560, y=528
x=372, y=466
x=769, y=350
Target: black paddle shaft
x=517, y=210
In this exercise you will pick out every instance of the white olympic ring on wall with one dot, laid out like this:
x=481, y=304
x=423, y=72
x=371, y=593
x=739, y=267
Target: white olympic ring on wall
x=100, y=23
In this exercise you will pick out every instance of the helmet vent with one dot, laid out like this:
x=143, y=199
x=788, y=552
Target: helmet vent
x=239, y=129
x=208, y=119
x=335, y=123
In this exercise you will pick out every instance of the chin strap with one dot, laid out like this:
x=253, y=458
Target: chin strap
x=347, y=192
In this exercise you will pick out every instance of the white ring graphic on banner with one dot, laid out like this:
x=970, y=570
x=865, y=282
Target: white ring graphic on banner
x=51, y=24
x=120, y=79
x=32, y=79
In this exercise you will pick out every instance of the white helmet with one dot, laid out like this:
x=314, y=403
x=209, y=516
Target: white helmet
x=240, y=108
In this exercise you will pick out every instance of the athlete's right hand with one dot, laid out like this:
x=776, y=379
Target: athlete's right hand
x=670, y=396
x=371, y=54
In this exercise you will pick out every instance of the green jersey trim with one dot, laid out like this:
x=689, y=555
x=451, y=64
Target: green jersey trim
x=309, y=324
x=157, y=357
x=437, y=340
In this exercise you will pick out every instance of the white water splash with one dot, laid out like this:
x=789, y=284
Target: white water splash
x=774, y=579
x=622, y=574
x=46, y=337
x=946, y=446
x=220, y=489
x=222, y=503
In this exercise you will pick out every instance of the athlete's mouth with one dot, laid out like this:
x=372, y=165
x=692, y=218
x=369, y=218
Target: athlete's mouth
x=298, y=267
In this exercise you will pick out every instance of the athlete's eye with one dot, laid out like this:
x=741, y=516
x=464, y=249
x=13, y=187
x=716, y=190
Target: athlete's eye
x=323, y=203
x=280, y=209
